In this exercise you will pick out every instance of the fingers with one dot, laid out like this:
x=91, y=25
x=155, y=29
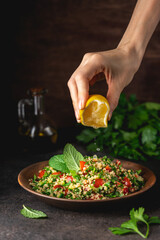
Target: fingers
x=79, y=91
x=113, y=95
x=80, y=80
x=74, y=96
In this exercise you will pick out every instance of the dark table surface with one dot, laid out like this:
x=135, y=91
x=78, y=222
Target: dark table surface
x=65, y=224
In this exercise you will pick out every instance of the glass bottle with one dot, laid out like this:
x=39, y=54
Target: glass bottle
x=38, y=131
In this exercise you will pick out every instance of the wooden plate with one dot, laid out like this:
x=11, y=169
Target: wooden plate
x=70, y=204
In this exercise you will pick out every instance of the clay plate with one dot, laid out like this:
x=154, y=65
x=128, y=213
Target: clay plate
x=70, y=204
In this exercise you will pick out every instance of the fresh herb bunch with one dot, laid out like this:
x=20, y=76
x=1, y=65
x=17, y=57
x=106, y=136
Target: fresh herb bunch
x=132, y=133
x=131, y=226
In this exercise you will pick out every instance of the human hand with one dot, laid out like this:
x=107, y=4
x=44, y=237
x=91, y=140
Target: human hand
x=118, y=66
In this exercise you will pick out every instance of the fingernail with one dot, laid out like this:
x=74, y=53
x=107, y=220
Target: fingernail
x=77, y=116
x=80, y=104
x=109, y=116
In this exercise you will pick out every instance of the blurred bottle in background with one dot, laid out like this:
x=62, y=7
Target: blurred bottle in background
x=36, y=130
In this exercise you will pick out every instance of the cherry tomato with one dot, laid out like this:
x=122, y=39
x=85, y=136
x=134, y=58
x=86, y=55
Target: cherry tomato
x=69, y=178
x=82, y=163
x=127, y=182
x=40, y=175
x=98, y=182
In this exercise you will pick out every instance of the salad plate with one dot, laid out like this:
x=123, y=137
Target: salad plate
x=70, y=204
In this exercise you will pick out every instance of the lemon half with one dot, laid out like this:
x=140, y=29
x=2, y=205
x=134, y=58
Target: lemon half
x=95, y=114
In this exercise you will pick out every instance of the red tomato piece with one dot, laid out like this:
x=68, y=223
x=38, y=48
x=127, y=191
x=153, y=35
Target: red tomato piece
x=118, y=183
x=58, y=186
x=56, y=173
x=66, y=191
x=98, y=182
x=118, y=162
x=108, y=168
x=40, y=175
x=132, y=189
x=69, y=178
x=90, y=198
x=125, y=190
x=82, y=163
x=84, y=173
x=127, y=182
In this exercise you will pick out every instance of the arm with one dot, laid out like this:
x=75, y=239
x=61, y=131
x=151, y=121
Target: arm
x=144, y=20
x=118, y=65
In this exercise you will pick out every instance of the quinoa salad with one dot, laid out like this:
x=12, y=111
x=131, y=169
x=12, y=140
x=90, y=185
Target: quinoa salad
x=98, y=178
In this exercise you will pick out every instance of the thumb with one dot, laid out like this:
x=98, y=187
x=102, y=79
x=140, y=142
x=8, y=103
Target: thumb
x=113, y=95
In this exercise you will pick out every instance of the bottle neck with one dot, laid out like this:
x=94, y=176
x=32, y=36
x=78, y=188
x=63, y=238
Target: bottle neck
x=38, y=101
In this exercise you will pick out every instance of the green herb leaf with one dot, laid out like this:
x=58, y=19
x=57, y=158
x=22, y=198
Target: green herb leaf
x=31, y=213
x=148, y=134
x=131, y=226
x=154, y=220
x=87, y=135
x=139, y=216
x=58, y=163
x=120, y=230
x=152, y=106
x=128, y=136
x=72, y=157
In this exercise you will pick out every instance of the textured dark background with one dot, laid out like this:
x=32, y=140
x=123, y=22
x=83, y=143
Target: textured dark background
x=47, y=40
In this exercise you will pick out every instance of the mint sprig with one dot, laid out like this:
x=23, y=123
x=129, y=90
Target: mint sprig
x=58, y=163
x=72, y=157
x=32, y=213
x=67, y=162
x=131, y=226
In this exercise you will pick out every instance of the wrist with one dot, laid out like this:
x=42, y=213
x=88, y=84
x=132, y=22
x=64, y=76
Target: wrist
x=133, y=53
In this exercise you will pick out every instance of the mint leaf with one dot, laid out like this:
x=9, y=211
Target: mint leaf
x=31, y=213
x=58, y=163
x=72, y=157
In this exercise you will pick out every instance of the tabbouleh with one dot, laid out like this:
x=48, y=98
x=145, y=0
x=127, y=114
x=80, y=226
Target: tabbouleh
x=98, y=178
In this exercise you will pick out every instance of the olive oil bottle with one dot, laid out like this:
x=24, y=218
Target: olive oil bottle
x=38, y=133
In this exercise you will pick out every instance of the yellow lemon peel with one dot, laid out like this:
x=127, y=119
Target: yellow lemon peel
x=96, y=111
